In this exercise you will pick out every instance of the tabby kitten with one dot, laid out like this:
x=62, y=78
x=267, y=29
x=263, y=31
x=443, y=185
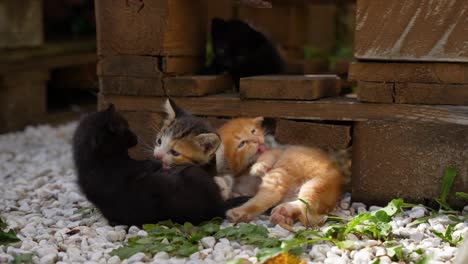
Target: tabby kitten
x=134, y=192
x=304, y=181
x=242, y=51
x=184, y=138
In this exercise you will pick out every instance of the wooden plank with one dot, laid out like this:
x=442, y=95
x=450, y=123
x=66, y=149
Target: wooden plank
x=376, y=92
x=336, y=108
x=182, y=65
x=134, y=86
x=413, y=93
x=49, y=55
x=21, y=23
x=160, y=27
x=129, y=66
x=423, y=93
x=407, y=160
x=422, y=30
x=449, y=73
x=196, y=85
x=22, y=99
x=293, y=87
x=312, y=134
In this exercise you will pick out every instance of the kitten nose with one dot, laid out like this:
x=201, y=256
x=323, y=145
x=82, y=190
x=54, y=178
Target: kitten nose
x=158, y=156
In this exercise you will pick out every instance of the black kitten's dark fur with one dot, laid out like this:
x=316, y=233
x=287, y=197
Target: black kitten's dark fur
x=242, y=51
x=135, y=192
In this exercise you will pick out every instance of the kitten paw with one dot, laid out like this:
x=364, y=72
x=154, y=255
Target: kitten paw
x=238, y=215
x=282, y=215
x=258, y=169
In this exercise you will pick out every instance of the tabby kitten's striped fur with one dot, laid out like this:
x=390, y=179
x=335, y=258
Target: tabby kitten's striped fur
x=184, y=138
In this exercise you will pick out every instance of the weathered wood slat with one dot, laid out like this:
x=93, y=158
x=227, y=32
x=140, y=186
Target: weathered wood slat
x=159, y=27
x=49, y=55
x=290, y=87
x=197, y=85
x=339, y=109
x=423, y=30
x=450, y=73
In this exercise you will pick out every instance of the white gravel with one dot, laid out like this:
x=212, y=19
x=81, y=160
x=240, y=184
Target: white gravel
x=39, y=198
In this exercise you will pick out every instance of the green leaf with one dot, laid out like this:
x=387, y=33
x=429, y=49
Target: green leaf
x=423, y=260
x=187, y=249
x=24, y=258
x=8, y=237
x=346, y=244
x=461, y=195
x=376, y=261
x=422, y=220
x=382, y=216
x=449, y=177
x=393, y=207
x=395, y=252
x=127, y=251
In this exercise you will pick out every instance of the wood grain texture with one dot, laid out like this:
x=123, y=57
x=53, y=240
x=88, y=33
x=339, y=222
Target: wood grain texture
x=159, y=27
x=23, y=99
x=449, y=73
x=335, y=108
x=129, y=66
x=407, y=160
x=413, y=93
x=196, y=85
x=313, y=134
x=292, y=87
x=182, y=65
x=422, y=30
x=134, y=86
x=21, y=23
x=375, y=92
x=423, y=93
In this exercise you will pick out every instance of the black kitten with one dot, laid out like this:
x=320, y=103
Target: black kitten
x=242, y=51
x=134, y=192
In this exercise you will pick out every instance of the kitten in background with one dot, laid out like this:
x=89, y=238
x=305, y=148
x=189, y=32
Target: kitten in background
x=135, y=192
x=302, y=182
x=242, y=51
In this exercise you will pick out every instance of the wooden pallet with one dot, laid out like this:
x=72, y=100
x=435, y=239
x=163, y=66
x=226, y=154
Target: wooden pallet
x=334, y=108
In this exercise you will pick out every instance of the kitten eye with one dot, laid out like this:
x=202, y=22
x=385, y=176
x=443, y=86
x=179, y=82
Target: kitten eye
x=174, y=153
x=159, y=141
x=253, y=131
x=241, y=144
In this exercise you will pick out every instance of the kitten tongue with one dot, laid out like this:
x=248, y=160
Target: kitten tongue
x=261, y=148
x=166, y=167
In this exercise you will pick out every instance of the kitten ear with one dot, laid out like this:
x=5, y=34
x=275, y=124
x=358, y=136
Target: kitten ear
x=258, y=121
x=209, y=142
x=172, y=110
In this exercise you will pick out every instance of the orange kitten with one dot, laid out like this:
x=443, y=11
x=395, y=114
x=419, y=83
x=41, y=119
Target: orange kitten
x=242, y=142
x=304, y=181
